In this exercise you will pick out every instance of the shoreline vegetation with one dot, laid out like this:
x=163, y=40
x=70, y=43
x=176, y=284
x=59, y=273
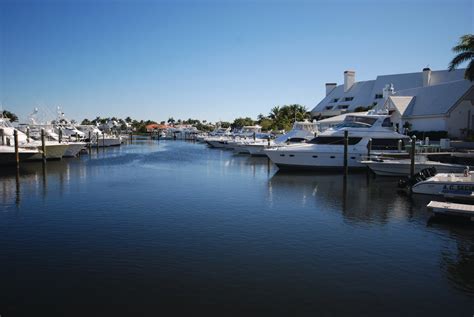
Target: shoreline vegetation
x=279, y=118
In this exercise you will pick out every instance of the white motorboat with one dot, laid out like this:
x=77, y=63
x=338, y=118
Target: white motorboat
x=54, y=150
x=441, y=183
x=98, y=137
x=393, y=167
x=302, y=132
x=326, y=151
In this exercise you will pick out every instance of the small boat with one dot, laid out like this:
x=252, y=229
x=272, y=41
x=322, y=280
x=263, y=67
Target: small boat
x=442, y=183
x=401, y=167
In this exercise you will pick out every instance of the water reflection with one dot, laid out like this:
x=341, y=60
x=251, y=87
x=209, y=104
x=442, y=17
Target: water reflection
x=309, y=232
x=358, y=198
x=457, y=254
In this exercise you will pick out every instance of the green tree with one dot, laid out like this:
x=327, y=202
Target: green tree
x=86, y=122
x=465, y=53
x=10, y=115
x=240, y=122
x=266, y=124
x=224, y=124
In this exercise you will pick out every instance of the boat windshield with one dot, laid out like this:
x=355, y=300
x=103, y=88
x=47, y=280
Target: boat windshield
x=357, y=122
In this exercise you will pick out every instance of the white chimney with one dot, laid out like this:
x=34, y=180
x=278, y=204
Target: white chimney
x=426, y=76
x=349, y=79
x=330, y=87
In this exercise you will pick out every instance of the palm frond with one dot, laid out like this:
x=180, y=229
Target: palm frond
x=469, y=73
x=459, y=59
x=466, y=43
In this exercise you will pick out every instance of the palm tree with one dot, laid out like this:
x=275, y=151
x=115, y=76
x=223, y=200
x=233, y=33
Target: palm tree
x=275, y=113
x=465, y=51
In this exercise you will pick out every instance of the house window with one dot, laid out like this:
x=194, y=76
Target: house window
x=335, y=100
x=348, y=98
x=329, y=107
x=378, y=96
x=343, y=106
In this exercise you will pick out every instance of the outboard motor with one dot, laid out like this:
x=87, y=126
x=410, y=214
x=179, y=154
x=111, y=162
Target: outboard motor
x=424, y=174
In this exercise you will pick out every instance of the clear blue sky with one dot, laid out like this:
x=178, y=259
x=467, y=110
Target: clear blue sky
x=210, y=59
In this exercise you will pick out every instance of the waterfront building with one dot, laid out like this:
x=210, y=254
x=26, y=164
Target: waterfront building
x=424, y=101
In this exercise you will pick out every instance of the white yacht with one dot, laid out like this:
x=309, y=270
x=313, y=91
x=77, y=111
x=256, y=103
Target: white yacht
x=98, y=137
x=244, y=136
x=54, y=149
x=326, y=151
x=394, y=167
x=302, y=131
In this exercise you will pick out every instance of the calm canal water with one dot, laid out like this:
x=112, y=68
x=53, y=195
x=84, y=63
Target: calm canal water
x=165, y=226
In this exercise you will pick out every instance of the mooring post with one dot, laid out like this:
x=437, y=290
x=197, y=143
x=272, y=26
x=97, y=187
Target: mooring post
x=2, y=135
x=369, y=148
x=412, y=156
x=131, y=137
x=28, y=134
x=254, y=135
x=97, y=140
x=60, y=132
x=346, y=144
x=43, y=145
x=90, y=142
x=400, y=145
x=103, y=140
x=77, y=137
x=17, y=155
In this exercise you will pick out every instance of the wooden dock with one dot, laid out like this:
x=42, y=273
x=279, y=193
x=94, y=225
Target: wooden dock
x=452, y=209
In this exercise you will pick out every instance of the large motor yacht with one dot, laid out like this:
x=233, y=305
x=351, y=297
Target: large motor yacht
x=326, y=151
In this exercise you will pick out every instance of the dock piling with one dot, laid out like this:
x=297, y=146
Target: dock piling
x=17, y=155
x=97, y=140
x=60, y=132
x=346, y=144
x=2, y=136
x=43, y=145
x=369, y=148
x=90, y=142
x=412, y=156
x=28, y=134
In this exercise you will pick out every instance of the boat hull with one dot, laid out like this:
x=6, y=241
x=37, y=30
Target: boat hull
x=10, y=158
x=314, y=161
x=397, y=169
x=436, y=188
x=106, y=142
x=53, y=152
x=74, y=148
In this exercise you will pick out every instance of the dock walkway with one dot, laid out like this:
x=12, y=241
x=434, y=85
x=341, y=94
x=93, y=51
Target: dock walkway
x=452, y=209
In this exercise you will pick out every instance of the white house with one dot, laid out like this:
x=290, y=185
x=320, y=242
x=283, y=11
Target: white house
x=428, y=100
x=444, y=107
